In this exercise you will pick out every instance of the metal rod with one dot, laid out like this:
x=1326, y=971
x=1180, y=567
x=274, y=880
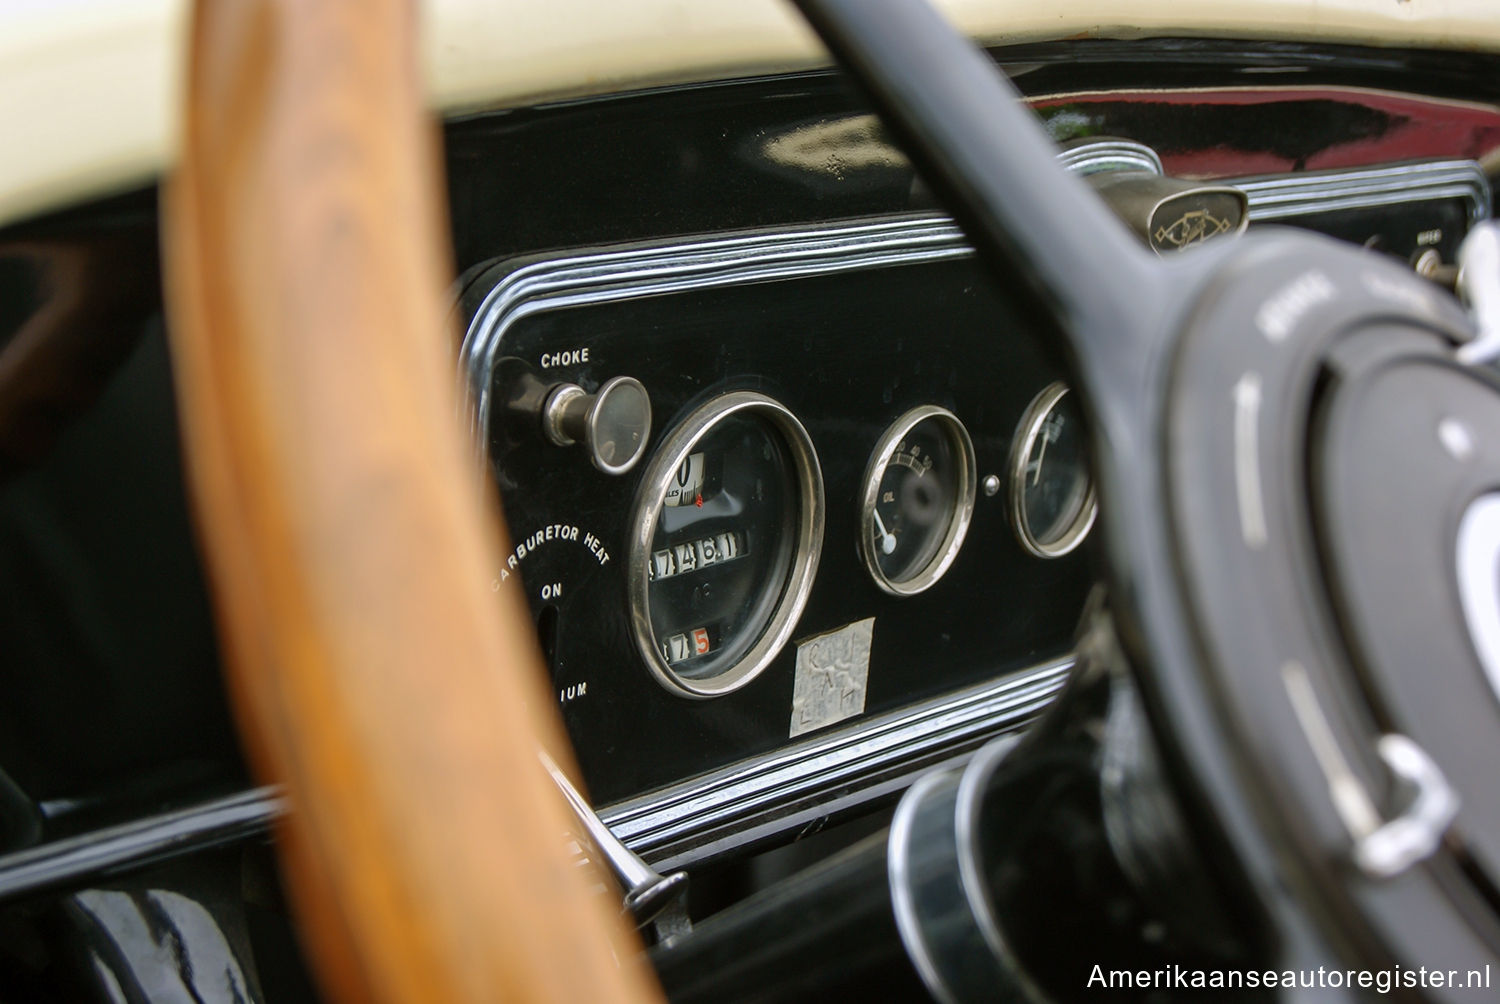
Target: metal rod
x=647, y=891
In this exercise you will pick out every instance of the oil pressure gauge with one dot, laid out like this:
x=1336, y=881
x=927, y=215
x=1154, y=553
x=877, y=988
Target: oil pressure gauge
x=1052, y=500
x=918, y=499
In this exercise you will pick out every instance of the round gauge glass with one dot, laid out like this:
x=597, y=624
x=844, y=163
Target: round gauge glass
x=727, y=533
x=1052, y=498
x=918, y=500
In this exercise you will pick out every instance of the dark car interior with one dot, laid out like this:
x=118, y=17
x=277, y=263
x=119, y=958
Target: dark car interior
x=971, y=542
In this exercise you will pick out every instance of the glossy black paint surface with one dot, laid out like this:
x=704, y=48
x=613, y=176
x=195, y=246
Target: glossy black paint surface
x=714, y=157
x=109, y=665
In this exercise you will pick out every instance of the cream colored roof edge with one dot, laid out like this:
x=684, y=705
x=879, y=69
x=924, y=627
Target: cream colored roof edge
x=88, y=88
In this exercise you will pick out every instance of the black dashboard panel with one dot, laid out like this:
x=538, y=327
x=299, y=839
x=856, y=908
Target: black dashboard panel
x=848, y=326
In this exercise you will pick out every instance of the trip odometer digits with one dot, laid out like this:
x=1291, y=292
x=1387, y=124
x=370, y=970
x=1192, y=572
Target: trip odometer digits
x=727, y=532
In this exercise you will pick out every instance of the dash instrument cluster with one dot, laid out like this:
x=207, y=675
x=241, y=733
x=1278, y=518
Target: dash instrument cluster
x=800, y=511
x=766, y=487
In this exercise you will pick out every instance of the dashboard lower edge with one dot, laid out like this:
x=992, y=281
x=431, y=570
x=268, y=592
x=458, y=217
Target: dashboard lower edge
x=74, y=861
x=798, y=785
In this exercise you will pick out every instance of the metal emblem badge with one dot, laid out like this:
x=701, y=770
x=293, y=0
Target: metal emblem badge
x=1193, y=227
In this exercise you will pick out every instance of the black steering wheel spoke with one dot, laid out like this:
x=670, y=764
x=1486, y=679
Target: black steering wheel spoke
x=1066, y=261
x=1274, y=599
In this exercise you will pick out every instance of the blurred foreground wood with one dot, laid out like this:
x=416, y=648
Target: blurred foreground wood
x=375, y=672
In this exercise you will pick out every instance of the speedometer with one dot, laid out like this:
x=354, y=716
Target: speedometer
x=725, y=541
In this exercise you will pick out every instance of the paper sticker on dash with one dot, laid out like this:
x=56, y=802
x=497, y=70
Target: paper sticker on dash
x=833, y=672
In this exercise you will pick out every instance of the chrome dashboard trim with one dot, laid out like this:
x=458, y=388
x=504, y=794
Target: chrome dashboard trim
x=1110, y=154
x=797, y=785
x=1279, y=196
x=801, y=252
x=709, y=263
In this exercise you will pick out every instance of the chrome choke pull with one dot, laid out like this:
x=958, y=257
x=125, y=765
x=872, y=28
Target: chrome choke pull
x=613, y=423
x=647, y=892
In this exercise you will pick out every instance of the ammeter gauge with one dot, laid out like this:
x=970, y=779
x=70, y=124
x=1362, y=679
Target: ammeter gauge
x=1052, y=498
x=918, y=500
x=725, y=540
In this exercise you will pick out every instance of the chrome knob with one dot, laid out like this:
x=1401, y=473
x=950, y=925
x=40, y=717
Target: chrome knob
x=613, y=424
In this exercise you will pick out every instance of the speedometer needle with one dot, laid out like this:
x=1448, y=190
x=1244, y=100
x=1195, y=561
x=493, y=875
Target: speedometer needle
x=887, y=539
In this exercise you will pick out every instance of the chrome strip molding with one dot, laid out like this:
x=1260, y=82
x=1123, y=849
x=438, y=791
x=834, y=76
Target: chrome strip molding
x=800, y=785
x=1110, y=154
x=613, y=276
x=712, y=262
x=90, y=857
x=1279, y=196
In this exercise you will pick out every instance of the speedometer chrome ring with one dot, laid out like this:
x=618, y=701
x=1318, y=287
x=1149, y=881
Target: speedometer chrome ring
x=912, y=526
x=725, y=540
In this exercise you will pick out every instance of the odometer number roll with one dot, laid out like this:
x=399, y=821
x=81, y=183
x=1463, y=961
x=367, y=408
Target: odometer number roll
x=725, y=541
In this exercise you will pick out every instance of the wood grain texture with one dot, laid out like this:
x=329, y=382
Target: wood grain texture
x=375, y=671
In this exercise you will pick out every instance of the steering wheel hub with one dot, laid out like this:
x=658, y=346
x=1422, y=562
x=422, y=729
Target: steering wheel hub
x=1333, y=503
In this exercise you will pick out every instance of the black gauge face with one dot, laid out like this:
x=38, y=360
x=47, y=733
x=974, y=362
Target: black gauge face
x=722, y=547
x=730, y=514
x=919, y=496
x=916, y=497
x=1053, y=488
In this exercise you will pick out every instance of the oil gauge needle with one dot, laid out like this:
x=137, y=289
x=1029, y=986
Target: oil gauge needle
x=887, y=539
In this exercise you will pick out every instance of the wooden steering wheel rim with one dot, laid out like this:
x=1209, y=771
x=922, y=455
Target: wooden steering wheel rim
x=376, y=669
